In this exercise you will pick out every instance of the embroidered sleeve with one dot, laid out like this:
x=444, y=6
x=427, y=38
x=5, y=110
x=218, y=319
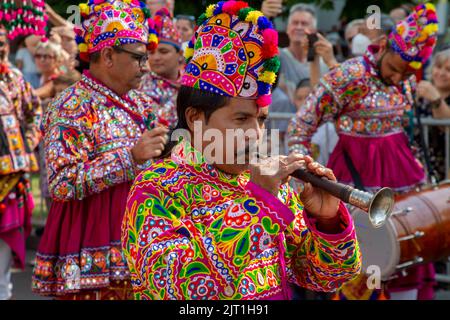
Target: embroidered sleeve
x=170, y=256
x=325, y=103
x=318, y=261
x=76, y=169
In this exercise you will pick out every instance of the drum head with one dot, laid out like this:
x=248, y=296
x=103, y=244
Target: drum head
x=379, y=246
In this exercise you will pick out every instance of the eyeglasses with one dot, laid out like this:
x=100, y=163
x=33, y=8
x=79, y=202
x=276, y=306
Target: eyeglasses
x=43, y=56
x=141, y=58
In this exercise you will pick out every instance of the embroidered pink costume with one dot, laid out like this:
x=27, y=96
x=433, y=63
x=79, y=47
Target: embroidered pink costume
x=89, y=132
x=20, y=118
x=194, y=232
x=370, y=119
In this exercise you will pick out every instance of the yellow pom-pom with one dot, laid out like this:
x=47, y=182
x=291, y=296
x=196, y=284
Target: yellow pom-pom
x=83, y=47
x=188, y=53
x=153, y=38
x=268, y=77
x=415, y=65
x=430, y=6
x=84, y=9
x=253, y=16
x=210, y=10
x=127, y=1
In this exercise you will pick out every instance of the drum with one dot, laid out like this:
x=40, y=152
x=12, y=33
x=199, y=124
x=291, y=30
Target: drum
x=417, y=232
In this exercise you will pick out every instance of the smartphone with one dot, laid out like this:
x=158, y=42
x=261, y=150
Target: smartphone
x=312, y=39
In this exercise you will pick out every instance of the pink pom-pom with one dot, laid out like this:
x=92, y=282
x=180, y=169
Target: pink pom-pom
x=426, y=53
x=7, y=17
x=98, y=1
x=233, y=7
x=20, y=11
x=270, y=46
x=264, y=101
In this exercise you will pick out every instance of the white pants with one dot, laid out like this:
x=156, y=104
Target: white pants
x=5, y=271
x=405, y=295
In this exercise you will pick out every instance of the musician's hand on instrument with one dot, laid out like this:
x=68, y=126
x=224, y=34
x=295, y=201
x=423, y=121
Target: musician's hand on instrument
x=150, y=145
x=271, y=173
x=319, y=203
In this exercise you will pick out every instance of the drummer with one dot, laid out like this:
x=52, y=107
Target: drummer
x=369, y=97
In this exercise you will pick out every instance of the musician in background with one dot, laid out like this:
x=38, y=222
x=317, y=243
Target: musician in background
x=367, y=97
x=20, y=118
x=163, y=81
x=227, y=231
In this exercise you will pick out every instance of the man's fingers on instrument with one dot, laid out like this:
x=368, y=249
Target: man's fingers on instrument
x=290, y=168
x=157, y=131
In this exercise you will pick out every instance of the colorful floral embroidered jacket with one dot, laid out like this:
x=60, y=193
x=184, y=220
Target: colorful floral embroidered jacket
x=164, y=92
x=89, y=132
x=354, y=96
x=20, y=118
x=193, y=232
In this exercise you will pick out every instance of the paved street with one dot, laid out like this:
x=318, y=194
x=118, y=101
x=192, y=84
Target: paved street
x=22, y=280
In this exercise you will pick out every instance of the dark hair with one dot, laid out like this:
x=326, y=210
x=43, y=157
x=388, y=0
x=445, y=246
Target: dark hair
x=200, y=100
x=303, y=83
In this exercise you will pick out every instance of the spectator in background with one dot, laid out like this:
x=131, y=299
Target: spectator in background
x=294, y=65
x=49, y=57
x=272, y=8
x=351, y=30
x=371, y=36
x=185, y=26
x=68, y=43
x=325, y=139
x=435, y=95
x=25, y=62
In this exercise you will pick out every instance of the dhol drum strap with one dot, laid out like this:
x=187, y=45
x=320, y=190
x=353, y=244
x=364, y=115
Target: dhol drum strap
x=355, y=175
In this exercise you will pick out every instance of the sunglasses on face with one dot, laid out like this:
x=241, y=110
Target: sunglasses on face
x=2, y=44
x=44, y=56
x=140, y=57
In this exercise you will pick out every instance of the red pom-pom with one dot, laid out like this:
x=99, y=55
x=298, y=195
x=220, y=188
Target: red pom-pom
x=270, y=46
x=152, y=46
x=233, y=7
x=84, y=56
x=431, y=42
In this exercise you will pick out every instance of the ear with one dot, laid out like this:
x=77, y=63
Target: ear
x=107, y=55
x=193, y=115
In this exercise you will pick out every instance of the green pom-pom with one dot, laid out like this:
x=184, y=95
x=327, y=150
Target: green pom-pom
x=201, y=19
x=244, y=12
x=147, y=13
x=272, y=64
